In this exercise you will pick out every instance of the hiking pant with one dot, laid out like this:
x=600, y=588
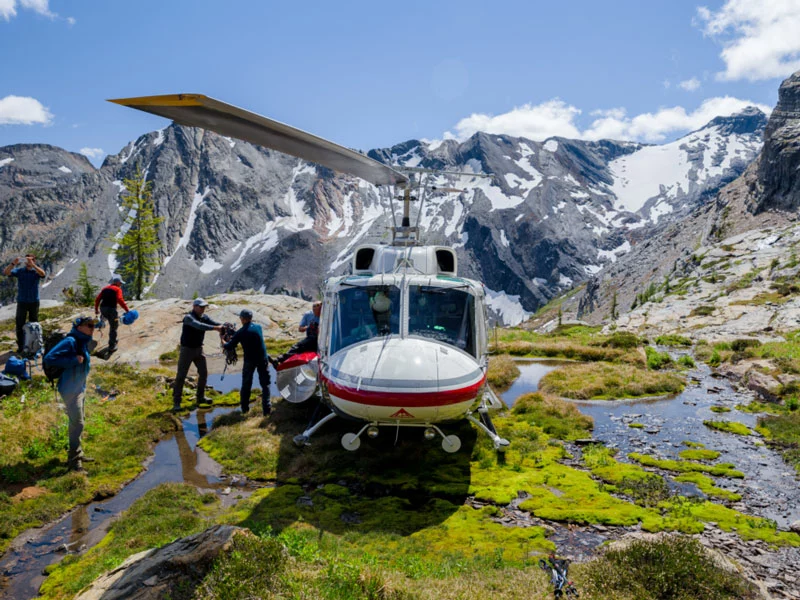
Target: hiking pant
x=307, y=344
x=185, y=359
x=26, y=311
x=247, y=384
x=74, y=404
x=112, y=316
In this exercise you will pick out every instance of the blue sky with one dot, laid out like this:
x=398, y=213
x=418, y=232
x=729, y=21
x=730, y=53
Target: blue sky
x=370, y=74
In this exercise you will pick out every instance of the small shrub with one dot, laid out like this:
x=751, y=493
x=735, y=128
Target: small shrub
x=502, y=371
x=702, y=311
x=657, y=360
x=645, y=491
x=686, y=361
x=667, y=567
x=170, y=356
x=715, y=360
x=673, y=340
x=742, y=344
x=624, y=340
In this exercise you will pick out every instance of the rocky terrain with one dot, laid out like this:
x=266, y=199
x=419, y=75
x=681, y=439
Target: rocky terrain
x=237, y=216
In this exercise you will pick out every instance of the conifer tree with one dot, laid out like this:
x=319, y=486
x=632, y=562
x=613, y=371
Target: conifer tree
x=86, y=290
x=138, y=246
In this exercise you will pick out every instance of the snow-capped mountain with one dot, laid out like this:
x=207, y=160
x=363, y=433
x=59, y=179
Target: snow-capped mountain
x=237, y=216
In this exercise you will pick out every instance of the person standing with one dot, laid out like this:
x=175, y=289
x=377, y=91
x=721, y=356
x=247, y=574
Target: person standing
x=28, y=278
x=72, y=354
x=251, y=338
x=309, y=324
x=195, y=325
x=106, y=304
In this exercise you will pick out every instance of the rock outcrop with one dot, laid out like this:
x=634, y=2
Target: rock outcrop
x=778, y=164
x=152, y=574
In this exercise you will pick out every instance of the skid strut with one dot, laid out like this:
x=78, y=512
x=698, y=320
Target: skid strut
x=302, y=439
x=486, y=425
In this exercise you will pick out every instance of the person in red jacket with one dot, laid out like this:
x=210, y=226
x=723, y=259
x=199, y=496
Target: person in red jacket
x=106, y=304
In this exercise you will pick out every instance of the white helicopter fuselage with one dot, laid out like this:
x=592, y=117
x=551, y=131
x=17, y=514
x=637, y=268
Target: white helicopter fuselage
x=420, y=361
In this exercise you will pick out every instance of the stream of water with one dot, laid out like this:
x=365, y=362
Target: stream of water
x=175, y=459
x=769, y=489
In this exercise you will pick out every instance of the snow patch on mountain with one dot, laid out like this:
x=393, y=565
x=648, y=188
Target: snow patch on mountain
x=507, y=307
x=5, y=161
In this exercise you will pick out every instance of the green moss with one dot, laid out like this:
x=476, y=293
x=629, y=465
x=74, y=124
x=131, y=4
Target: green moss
x=682, y=466
x=702, y=311
x=720, y=409
x=608, y=381
x=699, y=454
x=783, y=433
x=636, y=425
x=657, y=360
x=706, y=485
x=729, y=426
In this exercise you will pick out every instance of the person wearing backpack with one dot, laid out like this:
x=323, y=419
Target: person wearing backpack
x=251, y=338
x=28, y=278
x=71, y=356
x=106, y=304
x=195, y=325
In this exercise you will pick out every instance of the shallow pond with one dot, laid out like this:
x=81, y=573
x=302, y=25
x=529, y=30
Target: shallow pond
x=175, y=459
x=770, y=488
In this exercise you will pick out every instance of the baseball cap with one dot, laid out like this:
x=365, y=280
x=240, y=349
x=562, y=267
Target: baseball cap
x=116, y=279
x=246, y=313
x=199, y=302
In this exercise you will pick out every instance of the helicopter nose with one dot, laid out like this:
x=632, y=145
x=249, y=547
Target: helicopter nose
x=411, y=366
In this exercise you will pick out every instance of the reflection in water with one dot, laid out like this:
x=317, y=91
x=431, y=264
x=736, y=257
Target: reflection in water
x=233, y=381
x=528, y=380
x=175, y=459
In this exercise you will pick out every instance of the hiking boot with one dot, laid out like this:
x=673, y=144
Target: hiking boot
x=112, y=349
x=266, y=408
x=88, y=459
x=176, y=408
x=76, y=465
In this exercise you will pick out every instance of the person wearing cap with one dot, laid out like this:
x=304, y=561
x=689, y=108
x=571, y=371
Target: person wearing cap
x=195, y=325
x=251, y=338
x=309, y=324
x=73, y=355
x=106, y=304
x=28, y=278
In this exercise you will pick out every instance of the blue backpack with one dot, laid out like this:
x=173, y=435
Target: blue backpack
x=17, y=367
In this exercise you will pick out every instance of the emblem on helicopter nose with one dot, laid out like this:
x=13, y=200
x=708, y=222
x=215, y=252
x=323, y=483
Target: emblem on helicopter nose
x=402, y=414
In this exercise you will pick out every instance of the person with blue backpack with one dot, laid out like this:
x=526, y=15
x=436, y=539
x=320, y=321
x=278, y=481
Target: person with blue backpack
x=69, y=362
x=28, y=278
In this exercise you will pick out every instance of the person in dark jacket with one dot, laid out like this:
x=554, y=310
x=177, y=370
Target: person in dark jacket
x=72, y=354
x=195, y=325
x=28, y=278
x=255, y=359
x=106, y=304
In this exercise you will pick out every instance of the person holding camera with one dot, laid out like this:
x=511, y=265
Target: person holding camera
x=251, y=338
x=28, y=278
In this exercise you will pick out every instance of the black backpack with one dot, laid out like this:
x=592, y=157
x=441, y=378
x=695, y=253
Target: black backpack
x=52, y=373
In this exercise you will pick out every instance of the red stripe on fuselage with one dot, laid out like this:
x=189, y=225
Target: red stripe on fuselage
x=409, y=399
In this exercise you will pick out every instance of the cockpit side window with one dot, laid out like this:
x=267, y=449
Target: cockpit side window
x=443, y=314
x=364, y=312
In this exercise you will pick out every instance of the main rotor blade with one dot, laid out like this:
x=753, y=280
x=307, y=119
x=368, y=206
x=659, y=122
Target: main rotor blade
x=196, y=110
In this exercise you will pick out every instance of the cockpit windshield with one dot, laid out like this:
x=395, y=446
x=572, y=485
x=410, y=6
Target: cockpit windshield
x=365, y=312
x=443, y=314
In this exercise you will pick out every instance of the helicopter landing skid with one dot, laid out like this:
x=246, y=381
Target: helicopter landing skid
x=352, y=441
x=485, y=424
x=302, y=439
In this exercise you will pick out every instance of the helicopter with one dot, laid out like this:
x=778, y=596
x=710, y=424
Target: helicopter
x=403, y=340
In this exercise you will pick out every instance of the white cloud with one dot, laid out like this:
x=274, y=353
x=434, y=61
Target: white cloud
x=690, y=85
x=71, y=21
x=551, y=118
x=92, y=152
x=762, y=39
x=555, y=118
x=8, y=9
x=21, y=110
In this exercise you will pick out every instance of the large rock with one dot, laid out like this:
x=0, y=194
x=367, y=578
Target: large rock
x=150, y=575
x=780, y=158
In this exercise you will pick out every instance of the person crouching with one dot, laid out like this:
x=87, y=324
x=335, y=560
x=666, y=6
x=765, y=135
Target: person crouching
x=255, y=359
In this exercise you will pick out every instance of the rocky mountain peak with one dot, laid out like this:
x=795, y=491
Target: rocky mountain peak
x=747, y=120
